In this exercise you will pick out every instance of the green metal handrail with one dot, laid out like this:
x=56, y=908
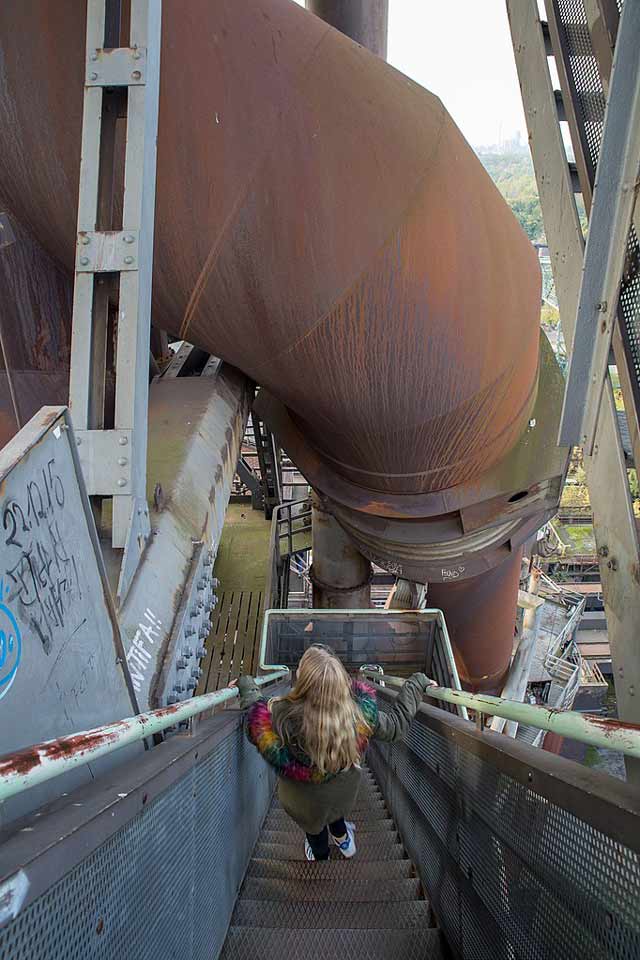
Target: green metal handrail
x=44, y=761
x=587, y=728
x=34, y=765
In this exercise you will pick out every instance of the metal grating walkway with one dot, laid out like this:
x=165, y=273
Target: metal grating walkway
x=371, y=906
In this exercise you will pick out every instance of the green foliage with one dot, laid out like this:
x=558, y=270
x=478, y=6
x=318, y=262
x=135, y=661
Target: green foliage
x=549, y=316
x=513, y=175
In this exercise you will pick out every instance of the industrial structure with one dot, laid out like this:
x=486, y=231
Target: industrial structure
x=235, y=266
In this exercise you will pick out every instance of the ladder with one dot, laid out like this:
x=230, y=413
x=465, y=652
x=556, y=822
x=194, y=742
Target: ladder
x=270, y=460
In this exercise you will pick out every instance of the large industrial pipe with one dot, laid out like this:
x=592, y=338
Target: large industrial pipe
x=479, y=611
x=341, y=576
x=322, y=224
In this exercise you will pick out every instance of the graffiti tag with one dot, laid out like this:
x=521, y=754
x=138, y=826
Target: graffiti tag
x=41, y=573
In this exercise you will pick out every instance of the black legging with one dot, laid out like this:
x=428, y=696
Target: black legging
x=319, y=842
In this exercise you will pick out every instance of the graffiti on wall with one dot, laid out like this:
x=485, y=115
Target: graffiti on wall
x=41, y=580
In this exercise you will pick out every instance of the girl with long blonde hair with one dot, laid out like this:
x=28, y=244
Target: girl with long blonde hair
x=316, y=736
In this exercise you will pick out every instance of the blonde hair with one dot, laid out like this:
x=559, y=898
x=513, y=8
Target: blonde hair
x=321, y=714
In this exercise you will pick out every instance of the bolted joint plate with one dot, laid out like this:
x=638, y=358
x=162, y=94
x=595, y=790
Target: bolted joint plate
x=119, y=67
x=105, y=456
x=107, y=252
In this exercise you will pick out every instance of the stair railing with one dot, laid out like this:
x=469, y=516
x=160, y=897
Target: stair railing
x=33, y=765
x=42, y=762
x=594, y=730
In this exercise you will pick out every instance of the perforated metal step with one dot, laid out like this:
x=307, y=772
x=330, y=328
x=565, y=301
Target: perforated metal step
x=332, y=870
x=363, y=806
x=274, y=944
x=364, y=840
x=354, y=891
x=331, y=914
x=282, y=821
x=295, y=850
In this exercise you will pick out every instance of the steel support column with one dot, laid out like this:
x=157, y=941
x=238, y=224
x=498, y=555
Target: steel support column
x=114, y=461
x=365, y=21
x=481, y=616
x=340, y=575
x=616, y=532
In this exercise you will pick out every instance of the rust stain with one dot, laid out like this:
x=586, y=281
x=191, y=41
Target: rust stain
x=609, y=725
x=24, y=761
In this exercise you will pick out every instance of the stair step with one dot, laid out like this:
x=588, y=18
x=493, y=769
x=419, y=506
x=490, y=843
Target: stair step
x=363, y=806
x=352, y=891
x=279, y=820
x=360, y=816
x=331, y=870
x=313, y=915
x=297, y=836
x=273, y=944
x=383, y=850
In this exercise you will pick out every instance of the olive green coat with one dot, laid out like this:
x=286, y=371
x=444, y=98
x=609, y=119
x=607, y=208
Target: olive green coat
x=312, y=805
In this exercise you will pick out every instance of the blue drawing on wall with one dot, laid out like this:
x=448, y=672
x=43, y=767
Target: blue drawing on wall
x=10, y=643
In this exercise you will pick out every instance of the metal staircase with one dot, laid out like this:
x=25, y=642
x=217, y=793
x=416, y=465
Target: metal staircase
x=270, y=460
x=372, y=906
x=181, y=851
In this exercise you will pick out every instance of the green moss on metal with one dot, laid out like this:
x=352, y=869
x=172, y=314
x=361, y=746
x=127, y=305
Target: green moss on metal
x=243, y=554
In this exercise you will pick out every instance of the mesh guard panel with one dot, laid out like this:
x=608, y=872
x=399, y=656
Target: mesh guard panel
x=590, y=106
x=509, y=874
x=165, y=884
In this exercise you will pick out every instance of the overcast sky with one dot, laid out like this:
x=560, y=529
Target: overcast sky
x=461, y=51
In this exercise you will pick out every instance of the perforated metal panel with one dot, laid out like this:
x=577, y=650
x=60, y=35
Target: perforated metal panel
x=399, y=642
x=590, y=103
x=509, y=873
x=165, y=884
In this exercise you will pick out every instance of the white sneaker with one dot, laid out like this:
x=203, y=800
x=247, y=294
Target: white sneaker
x=308, y=852
x=347, y=847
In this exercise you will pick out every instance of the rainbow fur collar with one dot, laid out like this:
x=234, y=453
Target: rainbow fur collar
x=277, y=754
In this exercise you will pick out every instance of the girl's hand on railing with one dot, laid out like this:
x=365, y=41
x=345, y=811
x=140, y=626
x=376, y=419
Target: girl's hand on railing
x=425, y=681
x=248, y=690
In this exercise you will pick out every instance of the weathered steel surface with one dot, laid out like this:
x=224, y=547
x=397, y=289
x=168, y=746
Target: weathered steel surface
x=359, y=300
x=588, y=728
x=35, y=330
x=480, y=614
x=196, y=425
x=340, y=575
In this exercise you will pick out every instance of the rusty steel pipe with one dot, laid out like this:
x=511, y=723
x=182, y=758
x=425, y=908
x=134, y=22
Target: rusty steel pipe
x=365, y=21
x=321, y=224
x=481, y=615
x=340, y=574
